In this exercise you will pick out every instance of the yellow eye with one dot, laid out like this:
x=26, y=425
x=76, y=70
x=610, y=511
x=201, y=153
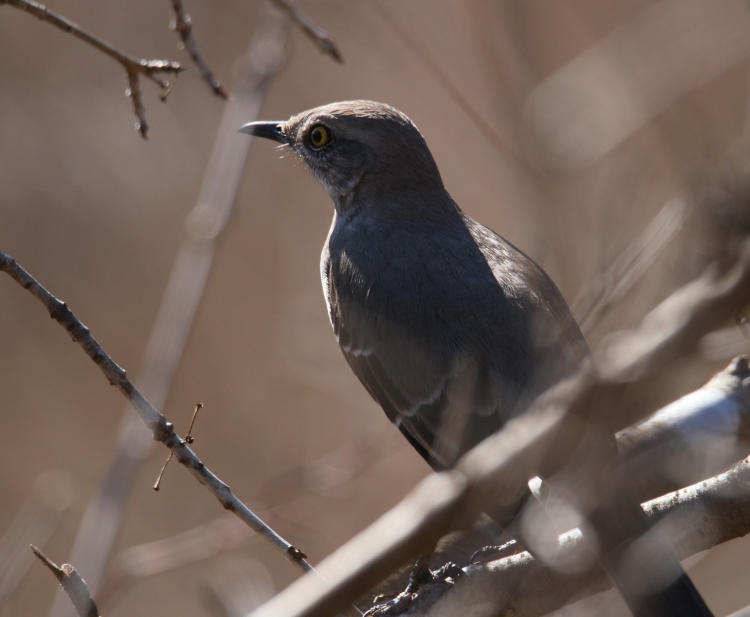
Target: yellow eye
x=318, y=136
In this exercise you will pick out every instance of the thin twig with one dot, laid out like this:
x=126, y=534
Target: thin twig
x=183, y=25
x=188, y=439
x=317, y=35
x=72, y=583
x=162, y=429
x=157, y=483
x=134, y=93
x=134, y=67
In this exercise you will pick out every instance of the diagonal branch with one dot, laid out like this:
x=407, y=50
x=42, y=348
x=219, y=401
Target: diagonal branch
x=601, y=293
x=183, y=25
x=162, y=429
x=317, y=35
x=134, y=67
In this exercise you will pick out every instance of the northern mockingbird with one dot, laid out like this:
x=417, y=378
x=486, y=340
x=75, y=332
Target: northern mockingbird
x=449, y=327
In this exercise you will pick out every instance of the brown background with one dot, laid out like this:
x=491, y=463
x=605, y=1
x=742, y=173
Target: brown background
x=97, y=215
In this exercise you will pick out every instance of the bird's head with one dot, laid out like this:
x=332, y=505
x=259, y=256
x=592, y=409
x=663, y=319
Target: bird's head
x=360, y=148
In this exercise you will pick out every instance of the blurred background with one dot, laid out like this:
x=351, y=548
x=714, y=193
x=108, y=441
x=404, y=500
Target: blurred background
x=566, y=127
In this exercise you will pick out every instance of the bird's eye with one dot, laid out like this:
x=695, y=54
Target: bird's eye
x=319, y=136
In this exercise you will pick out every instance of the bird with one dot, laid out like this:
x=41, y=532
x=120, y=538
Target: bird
x=451, y=329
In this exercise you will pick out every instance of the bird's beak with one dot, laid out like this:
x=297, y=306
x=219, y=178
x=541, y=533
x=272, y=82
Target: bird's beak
x=269, y=130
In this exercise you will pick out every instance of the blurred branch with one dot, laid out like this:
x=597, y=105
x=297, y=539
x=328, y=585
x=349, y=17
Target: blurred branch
x=177, y=551
x=183, y=25
x=703, y=515
x=486, y=128
x=726, y=342
x=134, y=67
x=743, y=612
x=692, y=438
x=162, y=430
x=600, y=294
x=72, y=583
x=695, y=437
x=37, y=519
x=595, y=101
x=538, y=439
x=226, y=533
x=317, y=35
x=182, y=295
x=236, y=585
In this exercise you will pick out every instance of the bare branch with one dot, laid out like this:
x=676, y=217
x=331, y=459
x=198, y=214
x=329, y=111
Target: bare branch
x=72, y=583
x=134, y=67
x=183, y=25
x=134, y=93
x=162, y=430
x=317, y=35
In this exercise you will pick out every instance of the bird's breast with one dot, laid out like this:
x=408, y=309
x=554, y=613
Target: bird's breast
x=422, y=278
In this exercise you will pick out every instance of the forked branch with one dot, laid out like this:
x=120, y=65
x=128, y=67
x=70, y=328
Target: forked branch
x=134, y=67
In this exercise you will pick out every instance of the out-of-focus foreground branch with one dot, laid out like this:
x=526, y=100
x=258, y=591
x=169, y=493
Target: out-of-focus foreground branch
x=689, y=439
x=503, y=463
x=695, y=518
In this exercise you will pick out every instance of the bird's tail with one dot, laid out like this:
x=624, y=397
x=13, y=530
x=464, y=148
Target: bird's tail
x=648, y=575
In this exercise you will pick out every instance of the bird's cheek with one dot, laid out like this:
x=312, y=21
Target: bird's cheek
x=340, y=182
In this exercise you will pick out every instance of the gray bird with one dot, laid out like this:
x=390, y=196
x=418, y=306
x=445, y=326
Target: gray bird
x=450, y=328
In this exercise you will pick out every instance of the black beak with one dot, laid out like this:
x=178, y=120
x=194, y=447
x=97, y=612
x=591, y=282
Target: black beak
x=269, y=130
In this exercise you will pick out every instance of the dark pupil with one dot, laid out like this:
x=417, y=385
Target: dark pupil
x=317, y=137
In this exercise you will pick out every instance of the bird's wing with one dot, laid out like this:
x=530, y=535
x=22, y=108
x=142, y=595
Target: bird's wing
x=442, y=397
x=451, y=331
